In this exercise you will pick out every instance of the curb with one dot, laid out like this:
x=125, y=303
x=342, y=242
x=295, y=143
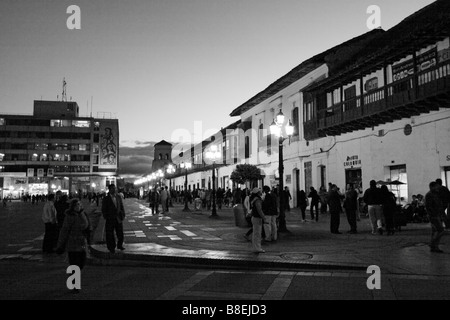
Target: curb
x=126, y=259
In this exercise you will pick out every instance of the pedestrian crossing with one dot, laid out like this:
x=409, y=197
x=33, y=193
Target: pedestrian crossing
x=143, y=224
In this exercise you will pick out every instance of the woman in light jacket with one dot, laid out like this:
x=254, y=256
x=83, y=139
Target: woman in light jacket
x=72, y=237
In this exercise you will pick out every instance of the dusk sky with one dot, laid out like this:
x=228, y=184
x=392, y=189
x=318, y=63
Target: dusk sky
x=158, y=66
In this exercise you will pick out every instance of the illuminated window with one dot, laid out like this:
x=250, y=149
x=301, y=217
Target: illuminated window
x=2, y=121
x=95, y=148
x=82, y=147
x=96, y=126
x=81, y=123
x=2, y=155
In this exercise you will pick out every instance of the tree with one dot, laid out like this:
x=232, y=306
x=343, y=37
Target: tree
x=246, y=173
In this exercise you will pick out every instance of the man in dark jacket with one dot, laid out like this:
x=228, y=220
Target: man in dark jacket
x=373, y=199
x=435, y=210
x=334, y=202
x=114, y=213
x=315, y=199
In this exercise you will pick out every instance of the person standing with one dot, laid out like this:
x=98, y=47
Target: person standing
x=114, y=213
x=435, y=210
x=323, y=194
x=154, y=201
x=51, y=228
x=372, y=198
x=287, y=198
x=258, y=219
x=72, y=237
x=269, y=207
x=302, y=203
x=61, y=205
x=389, y=206
x=351, y=206
x=164, y=198
x=315, y=199
x=444, y=195
x=334, y=203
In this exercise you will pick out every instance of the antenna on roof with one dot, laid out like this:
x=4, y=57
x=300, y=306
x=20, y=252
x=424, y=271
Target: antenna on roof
x=64, y=94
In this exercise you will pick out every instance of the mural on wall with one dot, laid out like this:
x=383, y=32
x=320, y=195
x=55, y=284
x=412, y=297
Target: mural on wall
x=108, y=146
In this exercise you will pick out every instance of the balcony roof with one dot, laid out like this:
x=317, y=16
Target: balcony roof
x=334, y=58
x=420, y=29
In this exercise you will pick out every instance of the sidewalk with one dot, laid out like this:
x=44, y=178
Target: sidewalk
x=195, y=239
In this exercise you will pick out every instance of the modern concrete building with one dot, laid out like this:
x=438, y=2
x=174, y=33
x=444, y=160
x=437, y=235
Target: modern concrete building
x=56, y=149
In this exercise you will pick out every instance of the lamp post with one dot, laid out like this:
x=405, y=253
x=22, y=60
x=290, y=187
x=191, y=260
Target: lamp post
x=213, y=154
x=186, y=166
x=276, y=129
x=170, y=170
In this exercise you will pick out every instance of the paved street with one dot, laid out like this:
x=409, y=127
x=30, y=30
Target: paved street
x=307, y=263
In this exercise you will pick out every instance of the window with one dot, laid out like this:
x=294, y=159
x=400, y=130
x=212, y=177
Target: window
x=95, y=148
x=261, y=132
x=399, y=173
x=96, y=126
x=160, y=157
x=95, y=160
x=167, y=156
x=295, y=120
x=2, y=155
x=83, y=147
x=96, y=138
x=81, y=123
x=2, y=121
x=247, y=147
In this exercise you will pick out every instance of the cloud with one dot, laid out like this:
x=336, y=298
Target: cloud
x=136, y=161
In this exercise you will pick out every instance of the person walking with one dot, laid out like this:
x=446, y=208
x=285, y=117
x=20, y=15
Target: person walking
x=248, y=214
x=154, y=201
x=51, y=228
x=372, y=198
x=258, y=219
x=351, y=206
x=287, y=197
x=389, y=206
x=323, y=194
x=435, y=210
x=269, y=207
x=114, y=213
x=164, y=197
x=72, y=237
x=302, y=203
x=444, y=195
x=315, y=199
x=334, y=203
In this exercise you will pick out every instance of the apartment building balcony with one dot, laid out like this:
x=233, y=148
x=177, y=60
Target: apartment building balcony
x=416, y=94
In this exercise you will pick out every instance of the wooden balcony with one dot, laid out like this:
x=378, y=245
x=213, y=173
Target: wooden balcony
x=421, y=93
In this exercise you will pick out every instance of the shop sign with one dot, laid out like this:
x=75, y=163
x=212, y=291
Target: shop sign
x=352, y=161
x=443, y=55
x=371, y=84
x=40, y=173
x=424, y=61
x=30, y=172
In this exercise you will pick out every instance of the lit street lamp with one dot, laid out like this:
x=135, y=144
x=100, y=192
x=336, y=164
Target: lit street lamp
x=276, y=129
x=187, y=166
x=170, y=170
x=213, y=154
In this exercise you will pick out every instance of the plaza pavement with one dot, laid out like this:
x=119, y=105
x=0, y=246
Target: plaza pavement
x=195, y=239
